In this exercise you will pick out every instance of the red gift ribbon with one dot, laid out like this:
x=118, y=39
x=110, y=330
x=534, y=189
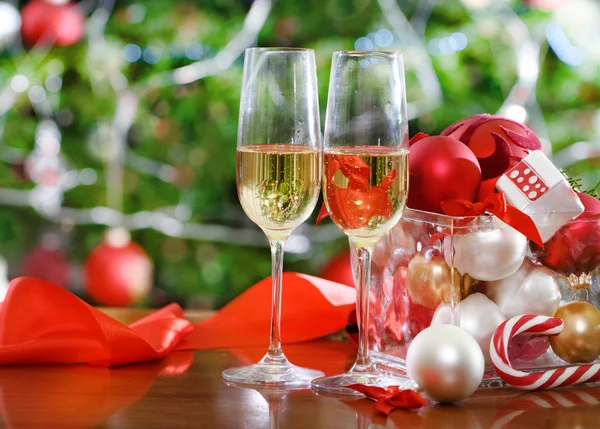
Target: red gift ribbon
x=391, y=398
x=495, y=204
x=44, y=323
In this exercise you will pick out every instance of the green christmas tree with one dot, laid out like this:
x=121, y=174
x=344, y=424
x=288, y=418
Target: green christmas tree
x=144, y=111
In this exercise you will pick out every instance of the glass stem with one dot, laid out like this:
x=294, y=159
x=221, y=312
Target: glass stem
x=276, y=274
x=274, y=413
x=363, y=360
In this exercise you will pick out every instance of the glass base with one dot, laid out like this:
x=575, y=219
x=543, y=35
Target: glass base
x=271, y=371
x=370, y=377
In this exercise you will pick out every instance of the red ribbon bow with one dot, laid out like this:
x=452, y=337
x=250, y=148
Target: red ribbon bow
x=391, y=398
x=496, y=204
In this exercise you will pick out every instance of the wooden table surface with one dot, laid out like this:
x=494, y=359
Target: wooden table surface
x=185, y=390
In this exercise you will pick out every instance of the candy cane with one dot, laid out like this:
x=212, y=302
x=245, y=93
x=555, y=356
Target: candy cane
x=540, y=325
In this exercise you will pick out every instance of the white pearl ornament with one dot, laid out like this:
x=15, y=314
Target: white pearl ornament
x=489, y=254
x=476, y=315
x=533, y=289
x=445, y=362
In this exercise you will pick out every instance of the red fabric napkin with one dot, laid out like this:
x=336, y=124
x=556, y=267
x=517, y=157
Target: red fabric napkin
x=43, y=323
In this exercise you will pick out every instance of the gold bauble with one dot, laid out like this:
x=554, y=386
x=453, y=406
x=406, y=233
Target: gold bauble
x=579, y=341
x=429, y=281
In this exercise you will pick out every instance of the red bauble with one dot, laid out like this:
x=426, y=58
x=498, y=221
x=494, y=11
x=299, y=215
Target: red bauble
x=339, y=270
x=527, y=348
x=591, y=205
x=575, y=248
x=497, y=142
x=47, y=263
x=441, y=168
x=118, y=272
x=49, y=23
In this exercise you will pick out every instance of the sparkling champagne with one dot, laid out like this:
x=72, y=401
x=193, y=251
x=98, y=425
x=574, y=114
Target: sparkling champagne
x=278, y=185
x=365, y=189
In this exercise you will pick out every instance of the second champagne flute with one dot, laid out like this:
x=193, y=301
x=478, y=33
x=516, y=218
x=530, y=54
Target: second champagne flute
x=365, y=178
x=278, y=178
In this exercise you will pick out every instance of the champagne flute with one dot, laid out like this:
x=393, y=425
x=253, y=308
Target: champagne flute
x=365, y=178
x=278, y=178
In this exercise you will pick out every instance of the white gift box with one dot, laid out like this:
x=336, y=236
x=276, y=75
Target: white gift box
x=536, y=187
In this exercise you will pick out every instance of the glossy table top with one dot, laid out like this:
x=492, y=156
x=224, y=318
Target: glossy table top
x=185, y=390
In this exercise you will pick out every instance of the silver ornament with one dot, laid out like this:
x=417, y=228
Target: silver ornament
x=532, y=289
x=476, y=315
x=446, y=363
x=488, y=254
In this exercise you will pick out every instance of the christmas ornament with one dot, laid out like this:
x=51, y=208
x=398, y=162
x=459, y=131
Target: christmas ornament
x=488, y=254
x=118, y=272
x=537, y=325
x=579, y=341
x=494, y=140
x=575, y=248
x=429, y=281
x=476, y=315
x=441, y=168
x=526, y=347
x=49, y=263
x=339, y=270
x=532, y=289
x=536, y=187
x=591, y=205
x=446, y=363
x=10, y=23
x=49, y=23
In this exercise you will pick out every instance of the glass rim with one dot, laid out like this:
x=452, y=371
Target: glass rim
x=278, y=49
x=358, y=53
x=444, y=219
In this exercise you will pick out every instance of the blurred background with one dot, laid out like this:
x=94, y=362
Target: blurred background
x=124, y=114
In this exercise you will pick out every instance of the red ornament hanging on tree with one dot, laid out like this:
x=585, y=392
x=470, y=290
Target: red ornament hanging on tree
x=441, y=168
x=51, y=23
x=118, y=272
x=49, y=263
x=497, y=142
x=339, y=270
